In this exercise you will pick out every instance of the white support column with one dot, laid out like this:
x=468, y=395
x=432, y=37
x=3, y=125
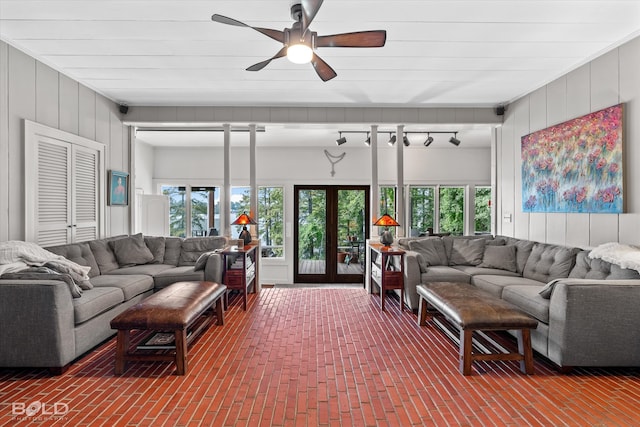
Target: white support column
x=226, y=194
x=400, y=205
x=253, y=208
x=374, y=205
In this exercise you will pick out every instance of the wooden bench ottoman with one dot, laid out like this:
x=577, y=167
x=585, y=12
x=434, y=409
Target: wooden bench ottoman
x=180, y=307
x=471, y=309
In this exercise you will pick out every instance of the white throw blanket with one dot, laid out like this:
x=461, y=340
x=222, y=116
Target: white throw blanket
x=626, y=256
x=16, y=255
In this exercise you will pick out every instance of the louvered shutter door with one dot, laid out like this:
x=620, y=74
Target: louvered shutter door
x=85, y=194
x=53, y=200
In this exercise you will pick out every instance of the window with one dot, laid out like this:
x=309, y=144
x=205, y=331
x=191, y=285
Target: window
x=422, y=212
x=203, y=205
x=452, y=210
x=240, y=202
x=271, y=221
x=388, y=201
x=482, y=218
x=177, y=209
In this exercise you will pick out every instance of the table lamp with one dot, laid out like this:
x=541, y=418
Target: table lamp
x=386, y=238
x=244, y=220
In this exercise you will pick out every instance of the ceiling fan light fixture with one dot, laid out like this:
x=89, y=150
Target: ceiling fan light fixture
x=299, y=53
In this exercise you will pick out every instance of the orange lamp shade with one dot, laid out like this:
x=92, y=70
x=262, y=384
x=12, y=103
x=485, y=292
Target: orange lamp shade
x=243, y=219
x=386, y=221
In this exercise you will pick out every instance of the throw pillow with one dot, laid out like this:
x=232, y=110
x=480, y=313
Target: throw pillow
x=547, y=290
x=131, y=251
x=156, y=246
x=467, y=251
x=201, y=262
x=431, y=251
x=500, y=257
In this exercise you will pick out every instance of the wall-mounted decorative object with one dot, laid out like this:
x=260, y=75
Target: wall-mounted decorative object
x=118, y=188
x=575, y=166
x=333, y=159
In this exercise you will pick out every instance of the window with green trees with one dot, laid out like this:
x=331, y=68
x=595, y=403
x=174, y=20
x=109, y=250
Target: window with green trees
x=422, y=200
x=177, y=209
x=271, y=221
x=388, y=200
x=204, y=204
x=482, y=218
x=452, y=210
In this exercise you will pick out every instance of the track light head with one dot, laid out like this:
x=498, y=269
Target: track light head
x=341, y=140
x=405, y=141
x=367, y=141
x=428, y=141
x=455, y=141
x=392, y=140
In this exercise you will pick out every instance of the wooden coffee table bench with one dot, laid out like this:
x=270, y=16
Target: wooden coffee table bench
x=179, y=308
x=471, y=309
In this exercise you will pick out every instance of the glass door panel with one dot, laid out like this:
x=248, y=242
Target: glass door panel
x=352, y=230
x=312, y=231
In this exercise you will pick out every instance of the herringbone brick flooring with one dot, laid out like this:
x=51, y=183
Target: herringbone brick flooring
x=320, y=357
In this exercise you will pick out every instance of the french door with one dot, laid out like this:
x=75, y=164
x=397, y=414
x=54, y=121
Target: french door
x=330, y=230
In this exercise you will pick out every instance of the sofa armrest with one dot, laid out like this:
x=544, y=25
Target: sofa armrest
x=412, y=278
x=37, y=321
x=213, y=268
x=595, y=323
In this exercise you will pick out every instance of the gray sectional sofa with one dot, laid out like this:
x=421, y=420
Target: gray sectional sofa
x=44, y=325
x=587, y=309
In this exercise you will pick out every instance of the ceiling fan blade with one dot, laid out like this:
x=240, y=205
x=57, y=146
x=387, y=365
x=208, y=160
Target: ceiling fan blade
x=274, y=34
x=322, y=68
x=260, y=65
x=358, y=39
x=309, y=11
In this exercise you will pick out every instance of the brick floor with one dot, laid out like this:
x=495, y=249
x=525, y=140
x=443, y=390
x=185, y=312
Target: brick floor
x=320, y=357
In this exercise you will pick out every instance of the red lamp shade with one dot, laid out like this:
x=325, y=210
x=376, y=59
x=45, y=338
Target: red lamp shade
x=386, y=221
x=244, y=219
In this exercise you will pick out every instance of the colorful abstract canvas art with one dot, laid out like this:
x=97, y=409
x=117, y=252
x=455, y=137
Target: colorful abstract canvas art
x=575, y=166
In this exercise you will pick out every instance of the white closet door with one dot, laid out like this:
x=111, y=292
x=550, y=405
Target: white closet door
x=53, y=193
x=84, y=211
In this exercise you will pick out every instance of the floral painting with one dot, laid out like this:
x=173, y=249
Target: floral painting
x=575, y=166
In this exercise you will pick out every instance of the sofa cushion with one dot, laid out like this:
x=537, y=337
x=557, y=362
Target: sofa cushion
x=156, y=246
x=526, y=298
x=588, y=268
x=500, y=257
x=172, y=248
x=473, y=270
x=444, y=273
x=131, y=250
x=523, y=250
x=96, y=301
x=178, y=274
x=105, y=258
x=430, y=252
x=495, y=284
x=130, y=285
x=193, y=247
x=548, y=262
x=80, y=253
x=467, y=251
x=148, y=269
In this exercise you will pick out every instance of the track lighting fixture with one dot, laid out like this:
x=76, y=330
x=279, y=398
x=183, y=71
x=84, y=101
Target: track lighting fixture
x=367, y=141
x=405, y=141
x=428, y=141
x=455, y=141
x=392, y=140
x=341, y=140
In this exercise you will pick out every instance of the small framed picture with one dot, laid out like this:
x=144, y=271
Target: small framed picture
x=118, y=188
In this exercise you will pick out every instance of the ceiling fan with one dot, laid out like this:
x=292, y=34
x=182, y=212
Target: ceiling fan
x=300, y=43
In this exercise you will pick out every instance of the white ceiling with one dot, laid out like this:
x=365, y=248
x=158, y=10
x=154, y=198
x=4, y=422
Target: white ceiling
x=438, y=53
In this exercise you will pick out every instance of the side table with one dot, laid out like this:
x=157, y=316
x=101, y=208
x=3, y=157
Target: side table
x=387, y=270
x=240, y=270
